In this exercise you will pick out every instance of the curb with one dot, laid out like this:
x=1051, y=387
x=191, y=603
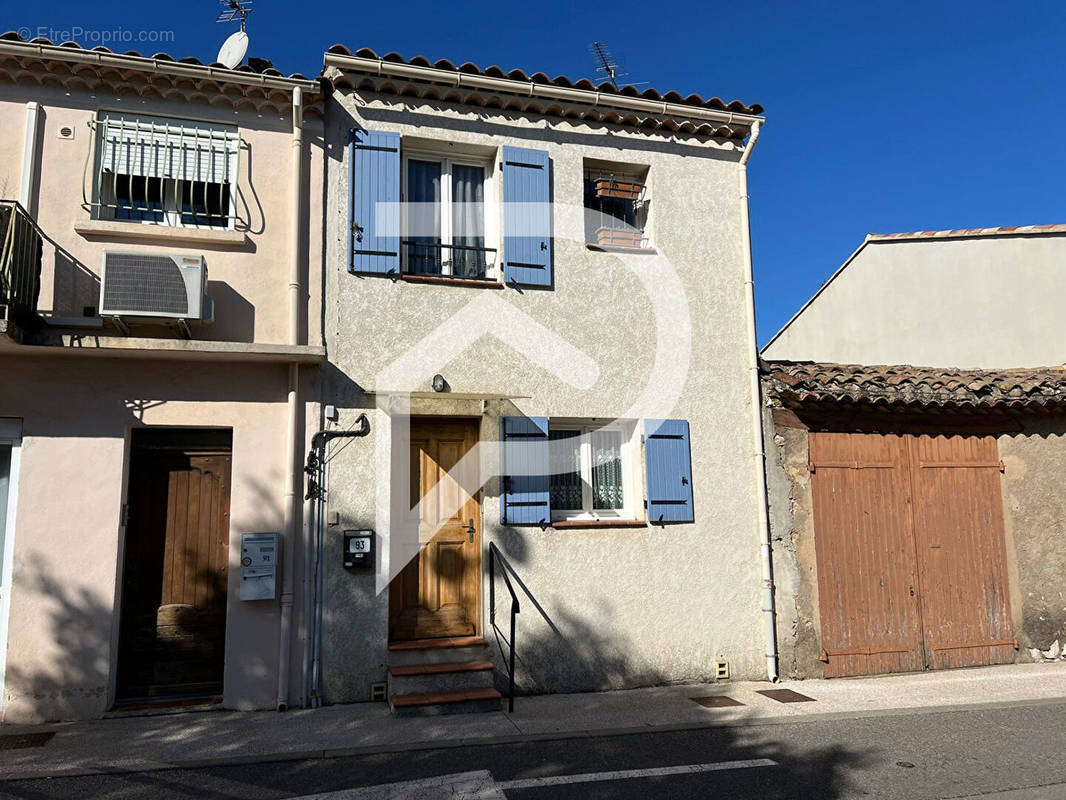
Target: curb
x=316, y=754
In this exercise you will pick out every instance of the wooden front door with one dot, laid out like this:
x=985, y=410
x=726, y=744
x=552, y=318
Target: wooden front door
x=910, y=552
x=173, y=623
x=438, y=593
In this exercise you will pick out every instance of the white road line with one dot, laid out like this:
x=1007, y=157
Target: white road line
x=620, y=775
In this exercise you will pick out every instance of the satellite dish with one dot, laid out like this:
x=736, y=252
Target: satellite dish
x=233, y=50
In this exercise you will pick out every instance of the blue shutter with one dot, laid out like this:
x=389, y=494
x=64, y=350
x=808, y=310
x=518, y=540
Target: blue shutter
x=668, y=465
x=374, y=201
x=527, y=232
x=524, y=497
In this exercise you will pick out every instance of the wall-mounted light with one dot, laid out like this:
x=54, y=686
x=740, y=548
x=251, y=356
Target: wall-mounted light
x=439, y=384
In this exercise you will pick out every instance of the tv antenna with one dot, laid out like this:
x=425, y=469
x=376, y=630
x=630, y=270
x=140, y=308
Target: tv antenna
x=606, y=64
x=235, y=9
x=235, y=48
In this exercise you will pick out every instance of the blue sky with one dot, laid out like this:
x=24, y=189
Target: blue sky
x=880, y=117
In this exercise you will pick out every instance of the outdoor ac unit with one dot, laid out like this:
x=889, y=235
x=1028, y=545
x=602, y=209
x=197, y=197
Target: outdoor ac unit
x=154, y=287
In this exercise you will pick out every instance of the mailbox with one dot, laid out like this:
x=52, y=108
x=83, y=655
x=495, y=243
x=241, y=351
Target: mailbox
x=358, y=549
x=259, y=561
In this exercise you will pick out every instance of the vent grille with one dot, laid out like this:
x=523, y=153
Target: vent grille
x=144, y=283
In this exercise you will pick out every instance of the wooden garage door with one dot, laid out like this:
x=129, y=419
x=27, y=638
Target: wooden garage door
x=910, y=552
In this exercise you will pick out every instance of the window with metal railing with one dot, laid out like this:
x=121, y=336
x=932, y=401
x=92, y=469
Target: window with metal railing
x=164, y=171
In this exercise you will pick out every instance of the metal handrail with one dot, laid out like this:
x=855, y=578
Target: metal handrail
x=427, y=258
x=21, y=256
x=495, y=556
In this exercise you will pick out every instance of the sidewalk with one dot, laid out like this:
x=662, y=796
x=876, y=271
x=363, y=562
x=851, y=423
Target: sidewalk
x=218, y=737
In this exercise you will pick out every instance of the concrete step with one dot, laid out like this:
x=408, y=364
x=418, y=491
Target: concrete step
x=444, y=677
x=471, y=701
x=438, y=651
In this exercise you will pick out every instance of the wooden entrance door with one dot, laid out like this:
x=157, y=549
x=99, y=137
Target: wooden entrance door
x=910, y=552
x=438, y=593
x=173, y=623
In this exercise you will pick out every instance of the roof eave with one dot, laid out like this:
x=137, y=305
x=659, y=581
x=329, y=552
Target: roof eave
x=380, y=67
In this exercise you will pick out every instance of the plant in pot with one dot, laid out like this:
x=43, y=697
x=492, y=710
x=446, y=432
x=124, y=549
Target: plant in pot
x=624, y=189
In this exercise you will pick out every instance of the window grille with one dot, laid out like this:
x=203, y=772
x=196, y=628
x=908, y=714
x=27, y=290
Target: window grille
x=164, y=171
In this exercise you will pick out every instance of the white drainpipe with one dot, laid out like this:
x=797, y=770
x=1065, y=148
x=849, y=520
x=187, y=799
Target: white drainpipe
x=759, y=455
x=28, y=185
x=293, y=519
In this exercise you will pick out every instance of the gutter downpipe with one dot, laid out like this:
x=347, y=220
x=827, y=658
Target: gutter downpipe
x=759, y=454
x=30, y=165
x=293, y=519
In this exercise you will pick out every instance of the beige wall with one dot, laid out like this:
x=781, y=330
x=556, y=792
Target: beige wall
x=248, y=282
x=981, y=302
x=69, y=538
x=601, y=608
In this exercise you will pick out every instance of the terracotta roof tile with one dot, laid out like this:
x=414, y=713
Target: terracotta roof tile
x=1012, y=230
x=606, y=87
x=798, y=383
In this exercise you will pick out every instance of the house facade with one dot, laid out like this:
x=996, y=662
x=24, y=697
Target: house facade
x=538, y=294
x=915, y=432
x=160, y=346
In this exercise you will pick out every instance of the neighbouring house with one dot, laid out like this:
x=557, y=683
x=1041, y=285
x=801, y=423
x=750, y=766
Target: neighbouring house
x=538, y=293
x=915, y=417
x=160, y=293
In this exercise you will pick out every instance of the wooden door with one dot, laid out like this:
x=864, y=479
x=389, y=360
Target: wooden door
x=910, y=552
x=867, y=575
x=962, y=559
x=173, y=623
x=438, y=593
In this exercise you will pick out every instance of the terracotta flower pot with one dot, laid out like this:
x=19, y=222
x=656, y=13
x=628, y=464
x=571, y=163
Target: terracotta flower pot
x=613, y=237
x=608, y=187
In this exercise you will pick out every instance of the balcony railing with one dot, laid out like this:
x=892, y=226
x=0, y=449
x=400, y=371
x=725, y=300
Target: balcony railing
x=446, y=260
x=21, y=250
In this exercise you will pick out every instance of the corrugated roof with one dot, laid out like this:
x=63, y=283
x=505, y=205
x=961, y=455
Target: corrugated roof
x=716, y=103
x=14, y=36
x=803, y=383
x=1014, y=230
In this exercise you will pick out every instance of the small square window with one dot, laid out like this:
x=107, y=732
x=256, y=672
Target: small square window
x=616, y=205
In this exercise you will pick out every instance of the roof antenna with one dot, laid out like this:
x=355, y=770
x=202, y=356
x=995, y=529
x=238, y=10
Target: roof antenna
x=606, y=64
x=235, y=48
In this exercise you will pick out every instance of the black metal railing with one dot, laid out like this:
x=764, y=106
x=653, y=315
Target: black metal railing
x=21, y=249
x=496, y=557
x=435, y=259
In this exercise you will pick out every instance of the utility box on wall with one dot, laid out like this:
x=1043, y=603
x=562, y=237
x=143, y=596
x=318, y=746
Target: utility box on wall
x=359, y=549
x=259, y=561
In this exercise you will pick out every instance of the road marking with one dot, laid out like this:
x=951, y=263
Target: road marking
x=626, y=774
x=480, y=785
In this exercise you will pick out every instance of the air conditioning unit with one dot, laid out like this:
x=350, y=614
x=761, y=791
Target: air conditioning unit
x=154, y=287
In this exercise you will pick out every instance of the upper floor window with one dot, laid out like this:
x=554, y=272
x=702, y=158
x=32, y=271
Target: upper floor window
x=165, y=171
x=616, y=205
x=448, y=220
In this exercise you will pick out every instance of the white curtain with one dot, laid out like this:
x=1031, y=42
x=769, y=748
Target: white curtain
x=5, y=482
x=468, y=220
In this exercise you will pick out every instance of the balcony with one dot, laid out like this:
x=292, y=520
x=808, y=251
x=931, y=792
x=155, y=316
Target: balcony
x=21, y=251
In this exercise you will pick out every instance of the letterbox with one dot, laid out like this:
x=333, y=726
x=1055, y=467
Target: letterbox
x=259, y=562
x=358, y=549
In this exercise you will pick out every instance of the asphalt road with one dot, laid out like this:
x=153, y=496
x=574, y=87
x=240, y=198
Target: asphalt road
x=1015, y=753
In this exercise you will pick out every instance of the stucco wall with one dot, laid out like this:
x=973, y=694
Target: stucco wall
x=993, y=302
x=76, y=420
x=248, y=282
x=601, y=609
x=1034, y=510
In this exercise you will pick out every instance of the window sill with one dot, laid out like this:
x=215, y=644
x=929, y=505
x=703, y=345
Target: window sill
x=613, y=248
x=163, y=234
x=441, y=281
x=567, y=524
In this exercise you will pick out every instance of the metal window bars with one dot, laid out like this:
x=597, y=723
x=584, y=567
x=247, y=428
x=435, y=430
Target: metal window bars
x=433, y=258
x=170, y=172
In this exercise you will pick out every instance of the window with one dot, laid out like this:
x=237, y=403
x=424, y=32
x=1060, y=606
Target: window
x=616, y=205
x=447, y=229
x=590, y=470
x=165, y=171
